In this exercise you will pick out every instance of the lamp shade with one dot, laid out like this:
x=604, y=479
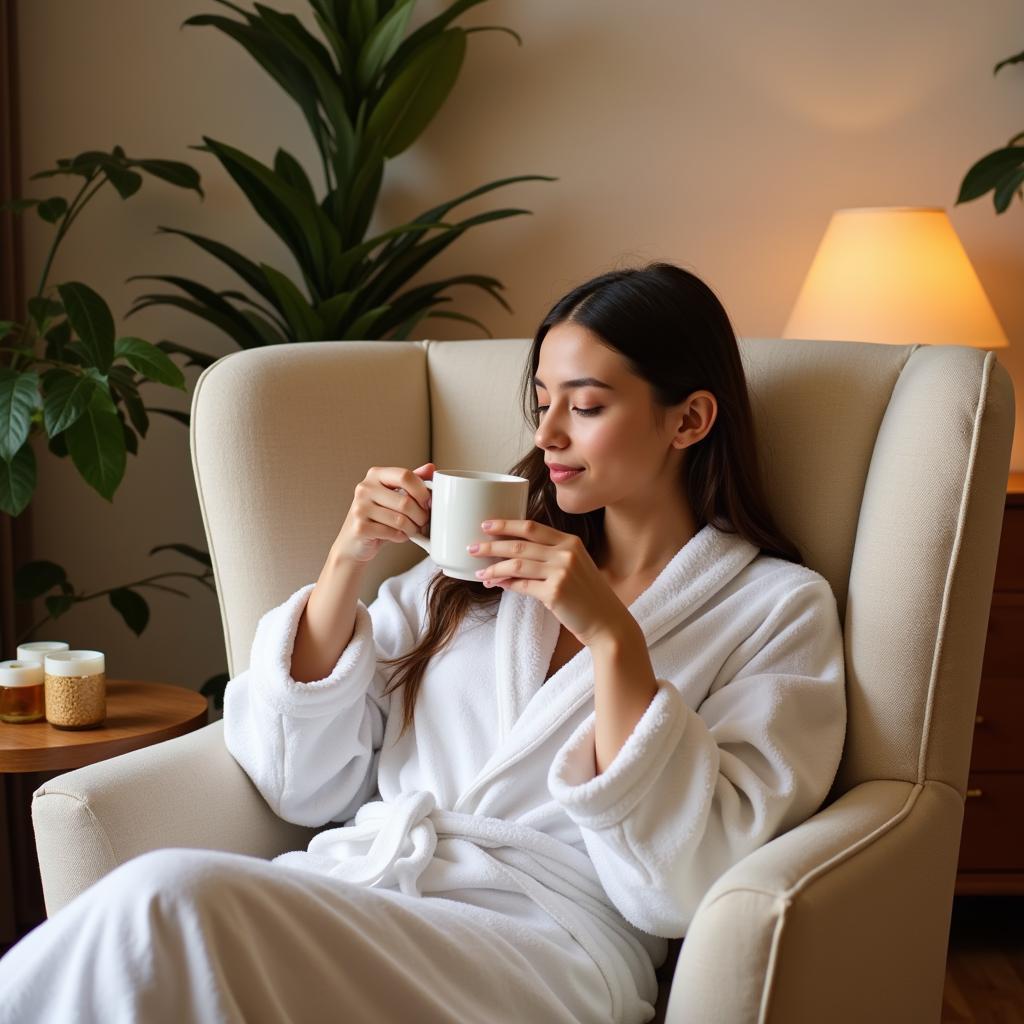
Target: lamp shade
x=894, y=275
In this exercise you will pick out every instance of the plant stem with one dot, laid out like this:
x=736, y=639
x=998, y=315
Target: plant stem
x=99, y=593
x=72, y=212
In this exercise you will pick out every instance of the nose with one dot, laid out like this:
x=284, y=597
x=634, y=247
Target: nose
x=546, y=432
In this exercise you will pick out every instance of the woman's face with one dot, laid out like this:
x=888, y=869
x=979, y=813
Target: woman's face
x=609, y=432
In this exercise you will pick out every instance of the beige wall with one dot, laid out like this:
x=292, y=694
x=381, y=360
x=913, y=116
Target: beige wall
x=719, y=135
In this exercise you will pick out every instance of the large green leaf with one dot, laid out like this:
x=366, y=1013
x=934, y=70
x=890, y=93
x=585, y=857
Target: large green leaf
x=301, y=317
x=248, y=271
x=290, y=170
x=96, y=443
x=18, y=392
x=362, y=16
x=333, y=313
x=243, y=335
x=17, y=480
x=207, y=296
x=426, y=294
x=990, y=171
x=426, y=33
x=405, y=266
x=132, y=606
x=122, y=380
x=300, y=223
x=273, y=319
x=193, y=357
x=65, y=397
x=317, y=61
x=35, y=578
x=401, y=244
x=276, y=59
x=270, y=332
x=1003, y=195
x=362, y=327
x=355, y=206
x=150, y=361
x=382, y=43
x=90, y=317
x=418, y=92
x=342, y=268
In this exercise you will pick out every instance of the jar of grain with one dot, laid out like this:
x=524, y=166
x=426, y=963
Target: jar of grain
x=75, y=689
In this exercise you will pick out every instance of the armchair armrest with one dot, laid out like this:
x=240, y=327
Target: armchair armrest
x=187, y=791
x=862, y=889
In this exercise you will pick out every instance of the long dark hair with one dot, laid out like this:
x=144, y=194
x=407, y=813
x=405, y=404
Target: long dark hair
x=675, y=334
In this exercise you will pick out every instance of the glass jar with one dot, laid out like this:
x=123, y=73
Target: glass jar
x=76, y=689
x=22, y=682
x=21, y=691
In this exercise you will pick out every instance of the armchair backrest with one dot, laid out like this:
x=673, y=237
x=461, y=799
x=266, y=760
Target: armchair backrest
x=872, y=456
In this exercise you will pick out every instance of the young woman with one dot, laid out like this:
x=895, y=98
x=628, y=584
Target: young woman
x=529, y=781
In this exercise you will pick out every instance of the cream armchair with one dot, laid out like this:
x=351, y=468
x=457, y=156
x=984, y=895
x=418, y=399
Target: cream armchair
x=887, y=465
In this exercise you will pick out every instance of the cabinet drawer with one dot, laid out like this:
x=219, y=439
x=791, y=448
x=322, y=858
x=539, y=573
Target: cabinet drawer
x=993, y=830
x=1004, y=642
x=998, y=726
x=1010, y=562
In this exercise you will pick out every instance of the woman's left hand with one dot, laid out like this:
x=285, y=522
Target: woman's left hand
x=556, y=569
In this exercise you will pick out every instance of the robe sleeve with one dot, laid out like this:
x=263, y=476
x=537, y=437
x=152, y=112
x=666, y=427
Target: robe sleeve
x=312, y=749
x=692, y=792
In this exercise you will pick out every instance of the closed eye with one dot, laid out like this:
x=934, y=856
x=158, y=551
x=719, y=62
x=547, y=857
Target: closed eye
x=592, y=411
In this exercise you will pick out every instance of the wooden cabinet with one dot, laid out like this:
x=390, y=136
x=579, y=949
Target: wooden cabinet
x=992, y=842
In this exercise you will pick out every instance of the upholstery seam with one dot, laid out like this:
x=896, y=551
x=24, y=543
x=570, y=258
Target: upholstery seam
x=193, y=442
x=85, y=803
x=773, y=957
x=953, y=563
x=786, y=897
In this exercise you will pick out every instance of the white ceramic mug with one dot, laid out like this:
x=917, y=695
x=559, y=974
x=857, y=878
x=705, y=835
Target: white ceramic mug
x=462, y=500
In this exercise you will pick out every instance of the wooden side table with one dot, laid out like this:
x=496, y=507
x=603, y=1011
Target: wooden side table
x=139, y=714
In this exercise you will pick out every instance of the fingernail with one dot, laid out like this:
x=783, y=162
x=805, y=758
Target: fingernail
x=486, y=525
x=430, y=502
x=472, y=547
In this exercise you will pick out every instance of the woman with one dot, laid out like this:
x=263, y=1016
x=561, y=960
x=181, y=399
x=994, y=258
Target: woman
x=531, y=780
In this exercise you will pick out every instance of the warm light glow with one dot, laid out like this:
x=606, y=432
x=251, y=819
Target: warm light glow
x=897, y=276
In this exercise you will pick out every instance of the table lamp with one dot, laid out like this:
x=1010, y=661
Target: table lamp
x=895, y=275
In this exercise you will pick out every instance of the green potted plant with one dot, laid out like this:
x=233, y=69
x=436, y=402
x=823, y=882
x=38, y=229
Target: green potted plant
x=83, y=392
x=366, y=94
x=1001, y=171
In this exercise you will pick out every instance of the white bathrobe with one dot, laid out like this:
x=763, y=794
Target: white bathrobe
x=476, y=870
x=494, y=790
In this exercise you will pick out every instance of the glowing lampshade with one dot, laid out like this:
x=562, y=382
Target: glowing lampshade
x=897, y=276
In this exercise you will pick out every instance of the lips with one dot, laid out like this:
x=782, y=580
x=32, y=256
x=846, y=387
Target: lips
x=555, y=467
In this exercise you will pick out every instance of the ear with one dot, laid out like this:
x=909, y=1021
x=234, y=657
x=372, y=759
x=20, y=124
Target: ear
x=699, y=412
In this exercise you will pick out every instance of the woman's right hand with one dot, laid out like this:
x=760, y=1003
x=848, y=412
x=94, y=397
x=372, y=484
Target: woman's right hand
x=390, y=504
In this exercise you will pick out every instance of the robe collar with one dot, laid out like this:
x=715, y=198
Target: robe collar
x=530, y=709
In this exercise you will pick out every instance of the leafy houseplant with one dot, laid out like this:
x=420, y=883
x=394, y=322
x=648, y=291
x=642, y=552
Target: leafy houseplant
x=366, y=96
x=1002, y=170
x=88, y=378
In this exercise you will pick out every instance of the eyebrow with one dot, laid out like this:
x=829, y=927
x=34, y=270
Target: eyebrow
x=579, y=382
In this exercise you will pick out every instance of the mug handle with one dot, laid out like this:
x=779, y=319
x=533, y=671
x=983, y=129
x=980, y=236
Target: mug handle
x=418, y=538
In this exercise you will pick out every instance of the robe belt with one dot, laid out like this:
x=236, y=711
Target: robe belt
x=387, y=827
x=371, y=850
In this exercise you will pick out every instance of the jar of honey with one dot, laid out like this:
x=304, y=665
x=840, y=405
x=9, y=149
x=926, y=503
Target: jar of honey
x=76, y=689
x=21, y=691
x=22, y=695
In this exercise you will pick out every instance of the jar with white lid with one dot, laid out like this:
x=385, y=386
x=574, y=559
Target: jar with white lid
x=75, y=689
x=22, y=696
